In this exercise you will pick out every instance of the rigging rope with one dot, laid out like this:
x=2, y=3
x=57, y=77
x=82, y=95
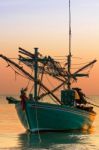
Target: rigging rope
x=90, y=68
x=29, y=79
x=49, y=81
x=81, y=63
x=17, y=71
x=37, y=121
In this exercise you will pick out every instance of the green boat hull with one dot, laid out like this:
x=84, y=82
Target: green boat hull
x=51, y=117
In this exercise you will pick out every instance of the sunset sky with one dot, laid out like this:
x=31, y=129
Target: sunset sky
x=44, y=24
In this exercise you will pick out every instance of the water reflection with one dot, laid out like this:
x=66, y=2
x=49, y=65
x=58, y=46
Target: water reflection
x=53, y=140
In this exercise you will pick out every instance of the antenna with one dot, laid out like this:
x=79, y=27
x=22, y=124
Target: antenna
x=69, y=55
x=69, y=27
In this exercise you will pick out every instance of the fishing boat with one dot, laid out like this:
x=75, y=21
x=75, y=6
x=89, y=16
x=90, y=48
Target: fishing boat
x=69, y=111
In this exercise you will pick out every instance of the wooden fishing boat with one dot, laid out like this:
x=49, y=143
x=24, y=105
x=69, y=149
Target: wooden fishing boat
x=36, y=112
x=39, y=116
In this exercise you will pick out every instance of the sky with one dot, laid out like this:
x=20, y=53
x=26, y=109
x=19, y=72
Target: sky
x=44, y=24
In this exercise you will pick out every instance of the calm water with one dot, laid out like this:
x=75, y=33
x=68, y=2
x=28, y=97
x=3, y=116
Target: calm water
x=14, y=137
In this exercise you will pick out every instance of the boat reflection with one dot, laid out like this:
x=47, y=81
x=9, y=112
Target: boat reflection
x=47, y=140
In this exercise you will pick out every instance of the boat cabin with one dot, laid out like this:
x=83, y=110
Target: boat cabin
x=75, y=97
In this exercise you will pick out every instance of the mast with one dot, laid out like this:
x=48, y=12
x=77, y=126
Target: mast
x=69, y=55
x=35, y=74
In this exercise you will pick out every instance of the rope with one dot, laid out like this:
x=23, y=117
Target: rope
x=91, y=103
x=41, y=78
x=31, y=88
x=49, y=81
x=29, y=80
x=37, y=123
x=17, y=72
x=90, y=68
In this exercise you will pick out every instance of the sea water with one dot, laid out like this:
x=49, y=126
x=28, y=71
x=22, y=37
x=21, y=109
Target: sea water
x=14, y=137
